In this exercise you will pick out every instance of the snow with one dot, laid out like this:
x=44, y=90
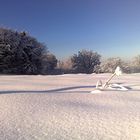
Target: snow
x=62, y=107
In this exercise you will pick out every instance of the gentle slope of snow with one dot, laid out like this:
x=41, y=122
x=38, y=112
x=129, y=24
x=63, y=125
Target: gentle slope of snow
x=62, y=108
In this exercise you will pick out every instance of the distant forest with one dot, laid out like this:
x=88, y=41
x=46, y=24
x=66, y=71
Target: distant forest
x=22, y=54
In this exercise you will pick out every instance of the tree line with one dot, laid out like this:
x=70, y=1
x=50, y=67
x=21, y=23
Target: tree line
x=22, y=54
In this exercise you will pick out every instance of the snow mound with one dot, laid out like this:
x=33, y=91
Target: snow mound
x=96, y=91
x=114, y=87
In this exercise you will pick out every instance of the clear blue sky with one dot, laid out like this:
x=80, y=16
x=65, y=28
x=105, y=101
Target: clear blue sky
x=110, y=27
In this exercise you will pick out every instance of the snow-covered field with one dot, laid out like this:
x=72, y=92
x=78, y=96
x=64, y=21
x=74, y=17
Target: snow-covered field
x=62, y=108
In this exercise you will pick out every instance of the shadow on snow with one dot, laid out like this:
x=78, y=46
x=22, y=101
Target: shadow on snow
x=59, y=90
x=63, y=90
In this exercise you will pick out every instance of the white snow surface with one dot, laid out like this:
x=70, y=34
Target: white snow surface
x=63, y=108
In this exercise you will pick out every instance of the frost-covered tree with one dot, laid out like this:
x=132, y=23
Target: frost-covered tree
x=85, y=61
x=20, y=53
x=65, y=65
x=109, y=65
x=135, y=64
x=137, y=60
x=49, y=62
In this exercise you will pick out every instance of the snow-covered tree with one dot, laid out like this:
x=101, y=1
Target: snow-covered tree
x=85, y=61
x=20, y=53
